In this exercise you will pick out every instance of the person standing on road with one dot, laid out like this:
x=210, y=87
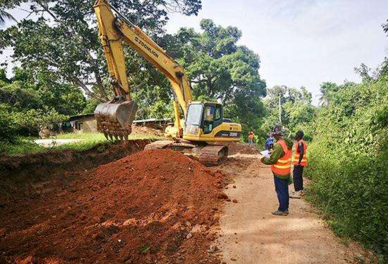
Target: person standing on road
x=299, y=161
x=269, y=142
x=280, y=161
x=251, y=138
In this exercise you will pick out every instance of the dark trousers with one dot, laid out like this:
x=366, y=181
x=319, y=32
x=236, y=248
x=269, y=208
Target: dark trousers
x=282, y=191
x=298, y=178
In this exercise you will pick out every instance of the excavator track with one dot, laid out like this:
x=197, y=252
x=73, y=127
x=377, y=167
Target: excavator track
x=158, y=144
x=208, y=155
x=164, y=144
x=213, y=155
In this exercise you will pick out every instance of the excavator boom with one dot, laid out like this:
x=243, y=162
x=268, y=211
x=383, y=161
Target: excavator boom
x=204, y=122
x=114, y=118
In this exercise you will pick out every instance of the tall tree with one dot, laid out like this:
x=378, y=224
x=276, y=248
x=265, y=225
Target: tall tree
x=297, y=111
x=222, y=70
x=4, y=15
x=327, y=89
x=63, y=40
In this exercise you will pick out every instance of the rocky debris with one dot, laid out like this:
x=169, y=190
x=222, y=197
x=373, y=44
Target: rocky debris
x=222, y=196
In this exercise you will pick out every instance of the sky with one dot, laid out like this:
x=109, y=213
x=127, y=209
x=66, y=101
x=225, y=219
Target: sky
x=300, y=42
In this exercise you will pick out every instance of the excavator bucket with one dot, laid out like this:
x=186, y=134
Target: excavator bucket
x=114, y=119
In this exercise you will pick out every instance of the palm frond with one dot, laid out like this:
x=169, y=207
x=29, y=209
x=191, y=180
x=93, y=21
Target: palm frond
x=5, y=16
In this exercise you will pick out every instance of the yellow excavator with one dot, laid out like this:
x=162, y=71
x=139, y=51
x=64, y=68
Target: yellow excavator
x=203, y=131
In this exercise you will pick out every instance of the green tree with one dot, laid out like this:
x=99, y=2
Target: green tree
x=64, y=38
x=222, y=70
x=348, y=159
x=297, y=112
x=31, y=103
x=327, y=89
x=4, y=15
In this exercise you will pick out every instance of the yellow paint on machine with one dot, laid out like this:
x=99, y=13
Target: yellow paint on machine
x=211, y=137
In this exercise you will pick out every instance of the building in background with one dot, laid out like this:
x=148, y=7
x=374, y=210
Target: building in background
x=80, y=124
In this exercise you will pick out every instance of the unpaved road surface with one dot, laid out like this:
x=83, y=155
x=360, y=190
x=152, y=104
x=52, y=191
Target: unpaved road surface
x=251, y=234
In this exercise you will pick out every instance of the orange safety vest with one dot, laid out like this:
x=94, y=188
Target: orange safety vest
x=296, y=156
x=283, y=164
x=251, y=135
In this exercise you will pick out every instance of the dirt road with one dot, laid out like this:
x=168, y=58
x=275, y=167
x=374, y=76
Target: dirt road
x=250, y=234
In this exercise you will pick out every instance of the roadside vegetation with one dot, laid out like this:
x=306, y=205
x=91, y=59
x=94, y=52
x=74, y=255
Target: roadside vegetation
x=26, y=145
x=347, y=136
x=348, y=159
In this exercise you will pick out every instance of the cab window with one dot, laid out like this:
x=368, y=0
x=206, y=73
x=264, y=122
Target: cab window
x=218, y=112
x=209, y=114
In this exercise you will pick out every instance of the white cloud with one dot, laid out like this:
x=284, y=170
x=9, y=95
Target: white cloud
x=301, y=42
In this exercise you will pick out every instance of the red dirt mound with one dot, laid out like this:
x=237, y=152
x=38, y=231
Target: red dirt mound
x=242, y=148
x=24, y=175
x=156, y=206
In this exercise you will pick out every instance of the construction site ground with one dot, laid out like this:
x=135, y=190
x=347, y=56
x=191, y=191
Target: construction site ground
x=125, y=205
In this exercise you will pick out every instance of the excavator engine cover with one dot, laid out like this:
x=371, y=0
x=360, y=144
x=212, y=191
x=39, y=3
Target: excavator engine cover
x=114, y=119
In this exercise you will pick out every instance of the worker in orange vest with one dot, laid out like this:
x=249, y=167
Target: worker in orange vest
x=299, y=162
x=280, y=161
x=251, y=138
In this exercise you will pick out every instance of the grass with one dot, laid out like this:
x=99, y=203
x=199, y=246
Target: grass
x=24, y=145
x=21, y=146
x=85, y=136
x=101, y=137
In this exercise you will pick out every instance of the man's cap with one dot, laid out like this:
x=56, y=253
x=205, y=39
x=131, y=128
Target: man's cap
x=300, y=134
x=277, y=130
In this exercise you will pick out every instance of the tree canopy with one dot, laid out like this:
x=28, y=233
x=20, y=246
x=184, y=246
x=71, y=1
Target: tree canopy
x=61, y=51
x=222, y=70
x=29, y=103
x=297, y=109
x=63, y=39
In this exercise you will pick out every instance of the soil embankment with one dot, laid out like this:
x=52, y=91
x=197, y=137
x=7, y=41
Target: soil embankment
x=155, y=206
x=152, y=206
x=25, y=175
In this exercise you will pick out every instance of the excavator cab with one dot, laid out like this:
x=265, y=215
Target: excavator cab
x=205, y=122
x=204, y=116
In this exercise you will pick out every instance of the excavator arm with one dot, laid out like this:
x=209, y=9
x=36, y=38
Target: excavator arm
x=114, y=118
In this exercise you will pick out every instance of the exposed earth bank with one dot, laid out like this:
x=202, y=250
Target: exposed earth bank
x=155, y=206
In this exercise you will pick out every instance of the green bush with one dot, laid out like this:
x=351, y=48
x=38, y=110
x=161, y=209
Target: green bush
x=8, y=126
x=348, y=161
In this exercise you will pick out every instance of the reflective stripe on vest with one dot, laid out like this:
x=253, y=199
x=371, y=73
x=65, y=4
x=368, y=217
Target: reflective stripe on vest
x=296, y=156
x=283, y=164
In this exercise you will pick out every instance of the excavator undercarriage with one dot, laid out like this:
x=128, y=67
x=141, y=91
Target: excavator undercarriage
x=209, y=155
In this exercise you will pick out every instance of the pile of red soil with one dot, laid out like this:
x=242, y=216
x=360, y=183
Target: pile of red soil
x=147, y=131
x=242, y=148
x=156, y=206
x=23, y=175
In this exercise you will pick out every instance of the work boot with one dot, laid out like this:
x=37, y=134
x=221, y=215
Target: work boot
x=278, y=212
x=295, y=195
